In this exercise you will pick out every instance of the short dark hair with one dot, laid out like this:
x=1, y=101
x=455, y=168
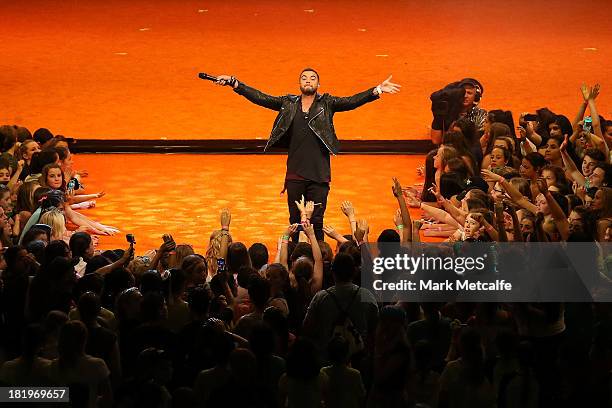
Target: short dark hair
x=259, y=255
x=79, y=243
x=42, y=135
x=259, y=291
x=343, y=268
x=310, y=69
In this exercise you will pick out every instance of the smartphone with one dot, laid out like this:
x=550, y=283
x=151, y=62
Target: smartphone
x=531, y=117
x=587, y=124
x=300, y=228
x=220, y=265
x=130, y=238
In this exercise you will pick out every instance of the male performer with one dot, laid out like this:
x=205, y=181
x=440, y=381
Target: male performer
x=305, y=126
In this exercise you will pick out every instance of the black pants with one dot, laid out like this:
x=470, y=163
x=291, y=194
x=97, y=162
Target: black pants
x=312, y=191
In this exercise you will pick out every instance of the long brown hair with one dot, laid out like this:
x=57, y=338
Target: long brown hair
x=45, y=173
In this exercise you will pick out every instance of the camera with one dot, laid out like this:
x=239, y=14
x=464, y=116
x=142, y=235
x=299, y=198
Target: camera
x=220, y=265
x=531, y=117
x=130, y=239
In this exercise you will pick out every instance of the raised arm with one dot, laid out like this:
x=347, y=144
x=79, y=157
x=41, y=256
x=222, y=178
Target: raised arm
x=13, y=183
x=599, y=140
x=226, y=219
x=437, y=213
x=316, y=283
x=124, y=260
x=252, y=94
x=570, y=166
x=348, y=210
x=515, y=195
x=586, y=92
x=530, y=132
x=341, y=104
x=500, y=222
x=406, y=222
x=516, y=226
x=555, y=210
x=284, y=252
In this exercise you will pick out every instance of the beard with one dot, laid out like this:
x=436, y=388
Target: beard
x=308, y=91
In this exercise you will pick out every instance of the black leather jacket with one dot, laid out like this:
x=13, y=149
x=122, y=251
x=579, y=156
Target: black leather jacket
x=321, y=123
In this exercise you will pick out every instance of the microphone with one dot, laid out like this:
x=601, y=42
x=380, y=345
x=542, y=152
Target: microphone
x=204, y=75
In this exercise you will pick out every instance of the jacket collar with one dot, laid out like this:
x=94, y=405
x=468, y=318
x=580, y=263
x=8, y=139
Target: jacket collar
x=296, y=98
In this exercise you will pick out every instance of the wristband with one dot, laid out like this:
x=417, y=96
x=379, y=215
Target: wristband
x=225, y=227
x=379, y=90
x=285, y=237
x=400, y=226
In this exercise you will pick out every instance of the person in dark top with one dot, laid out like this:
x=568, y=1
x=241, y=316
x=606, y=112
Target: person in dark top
x=305, y=126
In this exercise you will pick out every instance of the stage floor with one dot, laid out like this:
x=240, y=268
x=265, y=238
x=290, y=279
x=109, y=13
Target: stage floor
x=128, y=69
x=151, y=194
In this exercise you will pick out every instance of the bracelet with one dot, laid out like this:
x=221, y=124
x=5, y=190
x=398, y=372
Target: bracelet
x=285, y=237
x=400, y=226
x=225, y=227
x=379, y=90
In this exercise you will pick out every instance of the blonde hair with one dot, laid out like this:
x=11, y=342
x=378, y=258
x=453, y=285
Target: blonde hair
x=214, y=250
x=180, y=253
x=55, y=219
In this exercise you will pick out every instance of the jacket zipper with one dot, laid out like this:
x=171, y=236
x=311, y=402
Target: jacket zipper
x=275, y=126
x=315, y=132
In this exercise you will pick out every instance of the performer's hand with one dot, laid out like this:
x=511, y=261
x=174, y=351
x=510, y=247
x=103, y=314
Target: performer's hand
x=389, y=87
x=225, y=80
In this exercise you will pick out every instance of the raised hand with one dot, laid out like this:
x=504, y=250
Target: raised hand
x=436, y=192
x=308, y=229
x=348, y=210
x=489, y=176
x=594, y=92
x=301, y=205
x=478, y=217
x=309, y=209
x=225, y=218
x=586, y=92
x=362, y=230
x=563, y=146
x=389, y=87
x=542, y=186
x=396, y=188
x=226, y=80
x=412, y=201
x=329, y=231
x=291, y=229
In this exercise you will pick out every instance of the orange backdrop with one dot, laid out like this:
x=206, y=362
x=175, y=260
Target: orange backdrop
x=127, y=69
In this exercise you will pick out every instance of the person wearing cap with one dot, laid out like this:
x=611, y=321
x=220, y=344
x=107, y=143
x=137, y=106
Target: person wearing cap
x=469, y=109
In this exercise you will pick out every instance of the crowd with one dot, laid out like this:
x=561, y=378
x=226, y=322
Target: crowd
x=235, y=327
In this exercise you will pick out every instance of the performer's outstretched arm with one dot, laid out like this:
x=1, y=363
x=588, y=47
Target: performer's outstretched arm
x=252, y=94
x=341, y=104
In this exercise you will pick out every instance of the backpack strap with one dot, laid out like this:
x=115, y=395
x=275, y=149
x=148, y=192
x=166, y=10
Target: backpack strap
x=337, y=302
